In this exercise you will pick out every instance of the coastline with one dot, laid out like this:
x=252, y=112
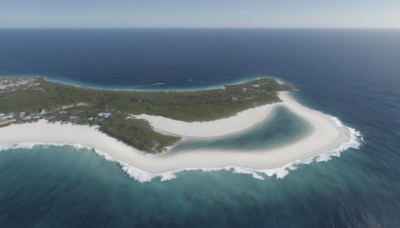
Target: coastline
x=326, y=135
x=209, y=129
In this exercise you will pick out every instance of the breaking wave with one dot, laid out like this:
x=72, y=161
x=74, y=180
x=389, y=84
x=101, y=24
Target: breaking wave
x=143, y=176
x=354, y=142
x=149, y=85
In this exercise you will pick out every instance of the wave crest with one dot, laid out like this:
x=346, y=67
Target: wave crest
x=149, y=85
x=281, y=172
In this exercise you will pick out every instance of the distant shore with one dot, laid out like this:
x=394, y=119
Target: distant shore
x=325, y=135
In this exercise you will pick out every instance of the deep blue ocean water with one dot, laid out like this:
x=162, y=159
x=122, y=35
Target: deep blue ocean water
x=351, y=74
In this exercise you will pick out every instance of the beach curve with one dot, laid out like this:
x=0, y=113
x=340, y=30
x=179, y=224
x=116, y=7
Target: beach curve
x=325, y=136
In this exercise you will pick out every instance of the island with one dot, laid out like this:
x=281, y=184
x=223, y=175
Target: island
x=137, y=128
x=24, y=100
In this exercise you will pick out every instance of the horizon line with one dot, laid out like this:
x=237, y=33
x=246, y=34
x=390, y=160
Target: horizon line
x=311, y=28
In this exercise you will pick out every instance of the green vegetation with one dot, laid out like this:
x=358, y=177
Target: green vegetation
x=29, y=99
x=136, y=132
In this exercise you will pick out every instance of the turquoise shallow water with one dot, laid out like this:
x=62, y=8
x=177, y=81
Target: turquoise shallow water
x=64, y=186
x=350, y=74
x=280, y=128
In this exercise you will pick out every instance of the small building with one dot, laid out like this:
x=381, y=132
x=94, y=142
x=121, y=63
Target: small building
x=104, y=114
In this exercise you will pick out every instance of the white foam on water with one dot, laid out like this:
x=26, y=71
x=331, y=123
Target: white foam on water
x=149, y=85
x=281, y=172
x=144, y=176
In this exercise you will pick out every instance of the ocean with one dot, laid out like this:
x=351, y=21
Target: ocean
x=281, y=128
x=353, y=75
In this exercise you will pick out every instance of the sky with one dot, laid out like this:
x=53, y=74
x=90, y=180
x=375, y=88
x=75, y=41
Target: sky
x=200, y=13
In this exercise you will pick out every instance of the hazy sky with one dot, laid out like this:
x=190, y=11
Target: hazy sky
x=200, y=13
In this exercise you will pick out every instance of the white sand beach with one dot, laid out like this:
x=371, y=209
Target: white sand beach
x=234, y=124
x=325, y=135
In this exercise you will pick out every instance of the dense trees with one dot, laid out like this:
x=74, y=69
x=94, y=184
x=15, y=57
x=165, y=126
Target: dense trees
x=205, y=105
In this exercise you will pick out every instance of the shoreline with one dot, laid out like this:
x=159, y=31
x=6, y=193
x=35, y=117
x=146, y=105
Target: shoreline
x=140, y=88
x=326, y=135
x=240, y=122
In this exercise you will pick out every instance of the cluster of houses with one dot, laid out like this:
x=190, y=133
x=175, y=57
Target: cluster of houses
x=6, y=118
x=30, y=116
x=101, y=116
x=13, y=84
